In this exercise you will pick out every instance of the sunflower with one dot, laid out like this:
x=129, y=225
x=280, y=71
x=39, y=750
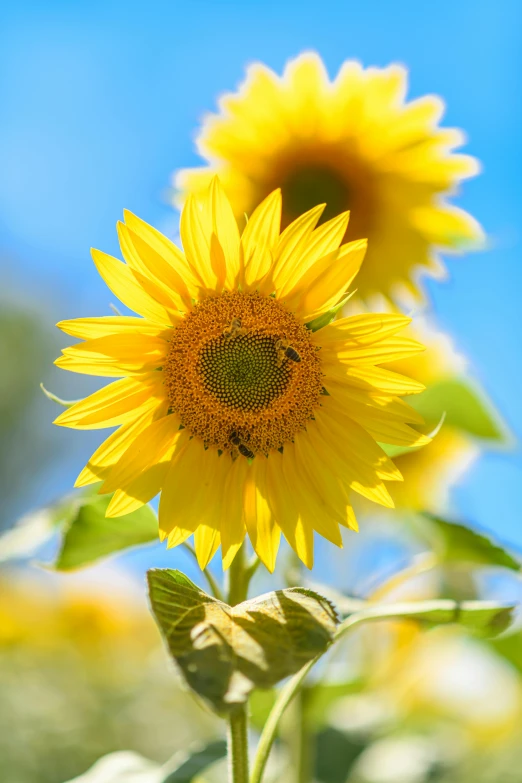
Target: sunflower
x=353, y=143
x=429, y=474
x=231, y=401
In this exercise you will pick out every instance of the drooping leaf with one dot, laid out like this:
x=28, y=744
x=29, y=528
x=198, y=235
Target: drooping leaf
x=90, y=535
x=224, y=652
x=457, y=543
x=465, y=407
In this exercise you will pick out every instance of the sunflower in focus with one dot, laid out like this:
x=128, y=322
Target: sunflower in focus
x=237, y=398
x=353, y=143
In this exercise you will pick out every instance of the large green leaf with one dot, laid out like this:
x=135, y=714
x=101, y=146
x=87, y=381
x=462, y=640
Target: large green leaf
x=224, y=652
x=456, y=543
x=90, y=535
x=483, y=618
x=465, y=407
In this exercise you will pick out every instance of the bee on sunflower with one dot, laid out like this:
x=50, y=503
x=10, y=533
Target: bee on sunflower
x=355, y=144
x=238, y=398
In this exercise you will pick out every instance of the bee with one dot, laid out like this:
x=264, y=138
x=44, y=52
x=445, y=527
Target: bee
x=285, y=351
x=236, y=441
x=245, y=451
x=234, y=330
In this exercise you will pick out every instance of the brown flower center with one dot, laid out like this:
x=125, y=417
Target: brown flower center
x=242, y=373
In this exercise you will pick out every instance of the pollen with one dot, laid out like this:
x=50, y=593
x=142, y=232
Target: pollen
x=231, y=378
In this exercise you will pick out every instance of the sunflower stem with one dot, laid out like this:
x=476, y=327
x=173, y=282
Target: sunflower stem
x=237, y=739
x=214, y=587
x=237, y=735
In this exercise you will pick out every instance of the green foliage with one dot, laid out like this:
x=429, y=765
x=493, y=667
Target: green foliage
x=482, y=618
x=129, y=767
x=90, y=535
x=224, y=652
x=464, y=405
x=457, y=543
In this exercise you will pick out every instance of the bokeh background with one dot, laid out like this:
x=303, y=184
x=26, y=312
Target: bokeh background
x=100, y=102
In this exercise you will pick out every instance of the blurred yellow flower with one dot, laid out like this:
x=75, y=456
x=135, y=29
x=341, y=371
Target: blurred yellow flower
x=352, y=143
x=246, y=419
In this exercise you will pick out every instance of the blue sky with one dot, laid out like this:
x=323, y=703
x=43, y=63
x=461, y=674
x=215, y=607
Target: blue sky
x=100, y=102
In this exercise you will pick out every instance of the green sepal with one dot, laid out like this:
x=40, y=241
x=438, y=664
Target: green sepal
x=326, y=318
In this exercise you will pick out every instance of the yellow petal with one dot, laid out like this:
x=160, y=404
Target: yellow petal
x=372, y=403
x=141, y=470
x=382, y=381
x=311, y=509
x=91, y=328
x=196, y=243
x=123, y=283
x=232, y=523
x=206, y=542
x=164, y=247
x=225, y=228
x=117, y=403
x=189, y=486
x=389, y=350
x=336, y=456
x=260, y=237
x=363, y=329
x=292, y=241
x=282, y=502
x=327, y=280
x=323, y=241
x=115, y=355
x=168, y=282
x=263, y=531
x=110, y=451
x=323, y=483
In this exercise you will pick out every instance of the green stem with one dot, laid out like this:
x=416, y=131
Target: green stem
x=237, y=740
x=237, y=736
x=269, y=732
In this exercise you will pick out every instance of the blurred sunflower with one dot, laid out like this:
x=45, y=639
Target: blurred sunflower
x=456, y=408
x=246, y=415
x=353, y=143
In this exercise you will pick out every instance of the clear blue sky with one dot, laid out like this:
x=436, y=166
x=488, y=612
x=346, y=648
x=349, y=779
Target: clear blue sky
x=99, y=103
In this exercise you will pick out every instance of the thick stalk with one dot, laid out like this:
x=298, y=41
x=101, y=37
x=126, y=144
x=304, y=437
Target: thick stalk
x=237, y=735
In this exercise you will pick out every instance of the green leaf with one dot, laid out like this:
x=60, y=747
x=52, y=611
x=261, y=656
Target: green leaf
x=326, y=318
x=225, y=652
x=456, y=543
x=90, y=535
x=465, y=405
x=483, y=618
x=190, y=765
